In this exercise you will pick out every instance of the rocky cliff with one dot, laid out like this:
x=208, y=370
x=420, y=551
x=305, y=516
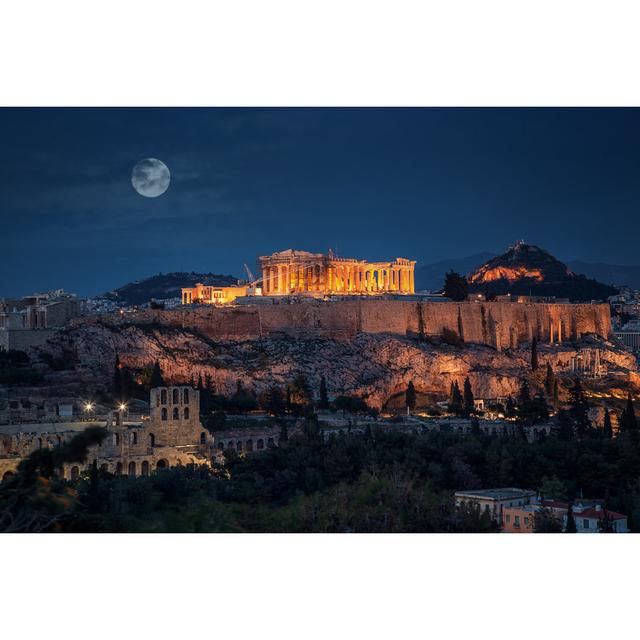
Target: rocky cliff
x=373, y=366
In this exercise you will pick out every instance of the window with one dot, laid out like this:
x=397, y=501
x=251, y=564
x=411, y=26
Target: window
x=526, y=521
x=508, y=519
x=132, y=469
x=270, y=442
x=185, y=396
x=516, y=521
x=116, y=439
x=186, y=413
x=152, y=440
x=163, y=396
x=164, y=413
x=176, y=413
x=585, y=524
x=176, y=396
x=145, y=468
x=203, y=438
x=239, y=446
x=260, y=444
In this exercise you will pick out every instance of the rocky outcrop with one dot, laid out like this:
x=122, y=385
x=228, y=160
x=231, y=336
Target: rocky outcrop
x=373, y=366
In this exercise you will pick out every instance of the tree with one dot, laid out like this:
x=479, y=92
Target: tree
x=628, y=422
x=156, y=375
x=455, y=399
x=272, y=401
x=300, y=391
x=455, y=286
x=534, y=354
x=556, y=395
x=571, y=522
x=565, y=426
x=200, y=386
x=546, y=521
x=607, y=429
x=553, y=488
x=549, y=381
x=468, y=400
x=510, y=408
x=579, y=409
x=323, y=399
x=410, y=397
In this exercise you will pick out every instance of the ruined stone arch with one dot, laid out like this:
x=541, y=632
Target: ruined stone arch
x=176, y=413
x=203, y=437
x=176, y=396
x=152, y=440
x=186, y=413
x=7, y=475
x=119, y=468
x=162, y=464
x=260, y=444
x=163, y=414
x=144, y=468
x=132, y=469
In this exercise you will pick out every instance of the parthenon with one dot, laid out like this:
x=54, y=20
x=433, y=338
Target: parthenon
x=301, y=272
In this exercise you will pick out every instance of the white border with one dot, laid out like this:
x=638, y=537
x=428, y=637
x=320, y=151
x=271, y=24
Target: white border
x=275, y=52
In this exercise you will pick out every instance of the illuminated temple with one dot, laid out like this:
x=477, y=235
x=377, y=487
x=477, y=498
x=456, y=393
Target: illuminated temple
x=301, y=272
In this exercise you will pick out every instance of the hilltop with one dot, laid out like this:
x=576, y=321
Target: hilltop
x=526, y=269
x=164, y=285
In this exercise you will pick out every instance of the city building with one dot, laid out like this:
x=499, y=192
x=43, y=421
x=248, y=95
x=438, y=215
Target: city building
x=208, y=294
x=301, y=272
x=495, y=501
x=629, y=335
x=31, y=320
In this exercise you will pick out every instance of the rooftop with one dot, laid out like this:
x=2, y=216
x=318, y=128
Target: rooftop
x=505, y=493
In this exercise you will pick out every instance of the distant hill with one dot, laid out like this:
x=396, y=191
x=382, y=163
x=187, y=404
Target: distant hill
x=526, y=269
x=617, y=275
x=430, y=277
x=164, y=285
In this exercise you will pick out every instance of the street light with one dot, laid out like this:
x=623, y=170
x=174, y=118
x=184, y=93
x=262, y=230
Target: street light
x=122, y=406
x=88, y=406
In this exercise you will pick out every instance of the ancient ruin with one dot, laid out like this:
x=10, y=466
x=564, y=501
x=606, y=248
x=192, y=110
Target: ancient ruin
x=301, y=272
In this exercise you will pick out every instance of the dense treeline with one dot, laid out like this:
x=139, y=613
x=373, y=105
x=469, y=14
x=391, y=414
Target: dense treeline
x=383, y=480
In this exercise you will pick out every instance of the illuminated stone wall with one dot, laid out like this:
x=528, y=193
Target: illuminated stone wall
x=497, y=324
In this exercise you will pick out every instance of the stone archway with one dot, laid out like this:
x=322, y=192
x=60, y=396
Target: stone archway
x=162, y=464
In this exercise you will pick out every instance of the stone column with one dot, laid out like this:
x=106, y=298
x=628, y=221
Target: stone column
x=560, y=331
x=412, y=286
x=550, y=331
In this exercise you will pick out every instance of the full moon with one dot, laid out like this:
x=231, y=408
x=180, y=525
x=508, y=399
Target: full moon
x=150, y=177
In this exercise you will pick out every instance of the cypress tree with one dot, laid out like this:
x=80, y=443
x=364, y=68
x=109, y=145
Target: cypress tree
x=468, y=399
x=410, y=397
x=156, y=375
x=565, y=426
x=571, y=523
x=579, y=409
x=607, y=429
x=628, y=421
x=200, y=386
x=323, y=397
x=510, y=408
x=556, y=394
x=549, y=381
x=455, y=399
x=534, y=354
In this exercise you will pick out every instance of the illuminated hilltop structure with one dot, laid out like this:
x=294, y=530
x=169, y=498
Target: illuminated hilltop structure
x=294, y=272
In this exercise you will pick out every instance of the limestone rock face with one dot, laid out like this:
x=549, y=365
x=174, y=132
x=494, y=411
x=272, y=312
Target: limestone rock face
x=372, y=366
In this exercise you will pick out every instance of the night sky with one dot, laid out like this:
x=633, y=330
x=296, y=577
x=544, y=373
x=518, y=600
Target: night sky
x=427, y=184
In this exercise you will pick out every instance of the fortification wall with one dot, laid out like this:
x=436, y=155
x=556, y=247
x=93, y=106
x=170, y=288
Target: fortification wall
x=497, y=324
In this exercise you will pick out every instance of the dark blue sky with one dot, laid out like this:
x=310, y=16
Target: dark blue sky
x=426, y=184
